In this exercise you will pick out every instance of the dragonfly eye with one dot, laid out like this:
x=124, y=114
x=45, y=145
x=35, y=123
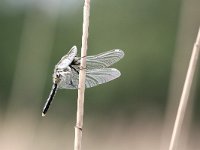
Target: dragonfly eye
x=58, y=75
x=56, y=78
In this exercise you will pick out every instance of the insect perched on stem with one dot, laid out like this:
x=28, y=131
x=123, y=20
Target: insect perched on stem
x=66, y=72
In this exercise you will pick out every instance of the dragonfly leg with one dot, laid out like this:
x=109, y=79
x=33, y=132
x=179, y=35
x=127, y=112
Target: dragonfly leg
x=74, y=69
x=71, y=83
x=81, y=67
x=76, y=61
x=83, y=56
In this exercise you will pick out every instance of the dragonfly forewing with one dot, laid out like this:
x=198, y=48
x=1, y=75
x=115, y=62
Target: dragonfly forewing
x=67, y=59
x=103, y=60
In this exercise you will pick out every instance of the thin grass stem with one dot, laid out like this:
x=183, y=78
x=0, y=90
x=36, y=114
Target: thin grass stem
x=82, y=75
x=185, y=94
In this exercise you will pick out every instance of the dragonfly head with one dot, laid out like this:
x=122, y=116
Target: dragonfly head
x=56, y=77
x=60, y=74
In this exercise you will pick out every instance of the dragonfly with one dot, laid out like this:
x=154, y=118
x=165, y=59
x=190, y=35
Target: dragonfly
x=66, y=71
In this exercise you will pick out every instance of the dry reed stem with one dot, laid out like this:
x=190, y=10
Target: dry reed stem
x=82, y=74
x=185, y=94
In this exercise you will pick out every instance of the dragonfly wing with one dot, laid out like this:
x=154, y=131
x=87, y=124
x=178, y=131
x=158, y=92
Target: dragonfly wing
x=93, y=77
x=70, y=82
x=102, y=60
x=67, y=59
x=99, y=76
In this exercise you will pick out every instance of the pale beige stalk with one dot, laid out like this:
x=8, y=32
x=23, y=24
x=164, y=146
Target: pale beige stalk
x=185, y=94
x=82, y=74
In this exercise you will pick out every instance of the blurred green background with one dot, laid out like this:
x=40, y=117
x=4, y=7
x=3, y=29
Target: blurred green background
x=157, y=37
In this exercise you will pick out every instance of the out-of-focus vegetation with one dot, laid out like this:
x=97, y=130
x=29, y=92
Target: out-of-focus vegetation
x=34, y=35
x=145, y=31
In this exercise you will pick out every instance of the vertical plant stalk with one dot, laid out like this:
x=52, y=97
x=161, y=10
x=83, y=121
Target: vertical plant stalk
x=185, y=94
x=82, y=75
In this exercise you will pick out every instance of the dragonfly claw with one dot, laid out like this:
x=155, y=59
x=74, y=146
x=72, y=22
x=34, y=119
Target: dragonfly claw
x=81, y=68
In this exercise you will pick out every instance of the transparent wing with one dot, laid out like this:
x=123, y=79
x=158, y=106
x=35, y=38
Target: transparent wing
x=100, y=76
x=93, y=77
x=67, y=59
x=73, y=83
x=102, y=60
